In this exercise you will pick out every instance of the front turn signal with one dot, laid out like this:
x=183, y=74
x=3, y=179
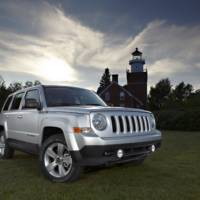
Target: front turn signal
x=79, y=130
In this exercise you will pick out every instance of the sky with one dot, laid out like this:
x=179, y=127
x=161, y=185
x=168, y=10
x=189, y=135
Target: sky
x=72, y=41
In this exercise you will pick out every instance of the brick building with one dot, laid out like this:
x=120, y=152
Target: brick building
x=134, y=93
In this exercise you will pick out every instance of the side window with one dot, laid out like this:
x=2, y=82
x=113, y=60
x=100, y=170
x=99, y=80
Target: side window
x=5, y=108
x=32, y=96
x=16, y=101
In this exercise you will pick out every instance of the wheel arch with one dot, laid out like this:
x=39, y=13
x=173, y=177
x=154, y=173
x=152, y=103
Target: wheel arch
x=64, y=125
x=49, y=131
x=55, y=127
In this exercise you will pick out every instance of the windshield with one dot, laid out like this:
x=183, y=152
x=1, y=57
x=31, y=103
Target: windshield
x=69, y=96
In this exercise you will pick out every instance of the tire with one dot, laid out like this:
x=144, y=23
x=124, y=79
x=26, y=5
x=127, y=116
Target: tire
x=6, y=152
x=56, y=162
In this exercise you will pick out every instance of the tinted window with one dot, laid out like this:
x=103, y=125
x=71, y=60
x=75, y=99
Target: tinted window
x=32, y=95
x=68, y=96
x=17, y=101
x=7, y=103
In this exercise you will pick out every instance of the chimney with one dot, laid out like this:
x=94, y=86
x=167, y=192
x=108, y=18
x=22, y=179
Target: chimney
x=115, y=78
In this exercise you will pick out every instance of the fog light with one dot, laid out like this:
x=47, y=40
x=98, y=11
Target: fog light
x=153, y=148
x=120, y=153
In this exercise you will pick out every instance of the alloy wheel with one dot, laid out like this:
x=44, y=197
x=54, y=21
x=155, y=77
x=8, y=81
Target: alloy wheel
x=57, y=160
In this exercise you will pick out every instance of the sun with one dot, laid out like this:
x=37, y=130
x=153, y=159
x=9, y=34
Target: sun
x=55, y=69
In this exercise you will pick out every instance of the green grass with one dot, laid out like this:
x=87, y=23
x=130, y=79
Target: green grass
x=171, y=173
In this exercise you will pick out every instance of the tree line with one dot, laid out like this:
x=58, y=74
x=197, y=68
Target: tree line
x=161, y=96
x=13, y=87
x=164, y=96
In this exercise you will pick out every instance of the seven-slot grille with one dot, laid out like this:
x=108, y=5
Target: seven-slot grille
x=130, y=124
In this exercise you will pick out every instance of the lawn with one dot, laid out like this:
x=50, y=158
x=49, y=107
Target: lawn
x=171, y=173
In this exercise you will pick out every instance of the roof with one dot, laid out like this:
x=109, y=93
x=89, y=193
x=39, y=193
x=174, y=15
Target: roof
x=43, y=86
x=125, y=90
x=136, y=52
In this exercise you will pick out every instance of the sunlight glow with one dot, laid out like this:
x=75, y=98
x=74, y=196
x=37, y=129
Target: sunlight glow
x=55, y=69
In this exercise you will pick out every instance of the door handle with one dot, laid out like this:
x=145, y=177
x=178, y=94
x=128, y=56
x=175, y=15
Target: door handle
x=19, y=116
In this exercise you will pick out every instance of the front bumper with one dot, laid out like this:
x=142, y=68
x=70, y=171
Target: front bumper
x=94, y=155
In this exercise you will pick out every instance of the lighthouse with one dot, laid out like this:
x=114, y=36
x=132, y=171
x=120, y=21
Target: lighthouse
x=134, y=93
x=137, y=77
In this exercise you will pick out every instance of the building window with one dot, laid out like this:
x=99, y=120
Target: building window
x=122, y=96
x=107, y=96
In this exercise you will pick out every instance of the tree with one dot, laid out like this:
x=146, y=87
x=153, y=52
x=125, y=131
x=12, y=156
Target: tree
x=182, y=91
x=37, y=83
x=159, y=94
x=4, y=92
x=30, y=83
x=105, y=80
x=13, y=87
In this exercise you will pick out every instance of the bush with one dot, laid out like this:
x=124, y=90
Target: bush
x=188, y=120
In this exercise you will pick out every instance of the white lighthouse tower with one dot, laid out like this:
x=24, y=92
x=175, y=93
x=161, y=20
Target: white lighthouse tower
x=137, y=62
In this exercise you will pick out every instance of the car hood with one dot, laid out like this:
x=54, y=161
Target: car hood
x=89, y=109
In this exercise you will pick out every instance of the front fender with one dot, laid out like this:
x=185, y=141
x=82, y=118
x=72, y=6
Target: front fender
x=66, y=124
x=61, y=123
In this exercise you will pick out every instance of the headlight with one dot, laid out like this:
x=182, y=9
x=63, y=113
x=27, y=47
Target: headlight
x=99, y=122
x=153, y=122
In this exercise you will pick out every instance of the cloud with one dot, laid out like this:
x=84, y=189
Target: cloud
x=47, y=43
x=53, y=51
x=171, y=51
x=1, y=79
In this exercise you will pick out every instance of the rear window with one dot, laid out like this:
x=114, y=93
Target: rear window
x=7, y=103
x=17, y=101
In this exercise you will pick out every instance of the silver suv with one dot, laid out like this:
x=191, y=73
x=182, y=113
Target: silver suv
x=70, y=128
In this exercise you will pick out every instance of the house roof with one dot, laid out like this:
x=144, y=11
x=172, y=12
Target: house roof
x=125, y=90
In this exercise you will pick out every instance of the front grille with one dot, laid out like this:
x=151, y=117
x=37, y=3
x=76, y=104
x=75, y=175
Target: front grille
x=130, y=124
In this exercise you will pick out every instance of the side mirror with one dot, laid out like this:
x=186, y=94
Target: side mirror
x=32, y=104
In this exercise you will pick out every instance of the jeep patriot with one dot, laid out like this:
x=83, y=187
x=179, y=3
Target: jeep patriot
x=70, y=128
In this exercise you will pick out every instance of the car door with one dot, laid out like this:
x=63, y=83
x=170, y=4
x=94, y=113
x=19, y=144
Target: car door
x=29, y=118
